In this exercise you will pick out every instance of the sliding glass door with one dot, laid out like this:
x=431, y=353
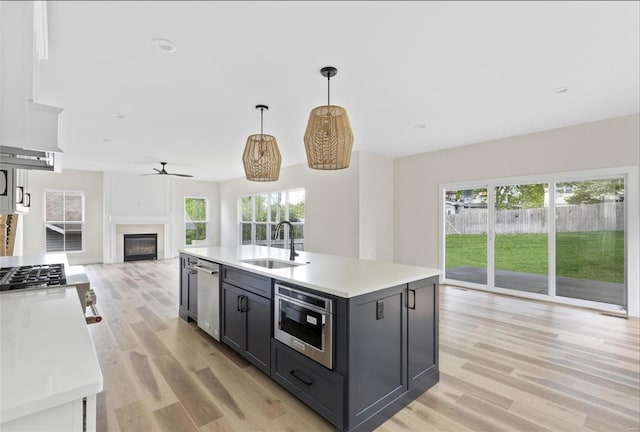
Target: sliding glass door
x=590, y=233
x=559, y=237
x=466, y=235
x=521, y=237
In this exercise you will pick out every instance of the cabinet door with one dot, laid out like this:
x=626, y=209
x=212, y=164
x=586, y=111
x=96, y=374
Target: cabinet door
x=192, y=305
x=233, y=319
x=258, y=337
x=184, y=288
x=422, y=302
x=377, y=352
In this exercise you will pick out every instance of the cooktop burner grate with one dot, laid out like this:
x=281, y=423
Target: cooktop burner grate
x=32, y=276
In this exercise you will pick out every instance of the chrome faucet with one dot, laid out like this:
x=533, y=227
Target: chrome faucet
x=293, y=254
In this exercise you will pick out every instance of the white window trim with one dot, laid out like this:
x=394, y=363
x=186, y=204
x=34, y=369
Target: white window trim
x=184, y=215
x=47, y=222
x=632, y=231
x=269, y=222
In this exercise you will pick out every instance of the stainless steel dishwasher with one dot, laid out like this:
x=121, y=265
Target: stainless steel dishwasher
x=209, y=297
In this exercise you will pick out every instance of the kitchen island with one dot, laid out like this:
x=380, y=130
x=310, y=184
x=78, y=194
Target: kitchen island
x=356, y=340
x=49, y=371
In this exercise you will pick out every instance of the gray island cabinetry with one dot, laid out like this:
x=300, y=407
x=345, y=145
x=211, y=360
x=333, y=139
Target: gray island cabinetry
x=386, y=355
x=381, y=329
x=188, y=309
x=246, y=315
x=392, y=345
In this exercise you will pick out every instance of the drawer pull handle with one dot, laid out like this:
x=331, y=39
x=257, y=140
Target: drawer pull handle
x=301, y=377
x=414, y=299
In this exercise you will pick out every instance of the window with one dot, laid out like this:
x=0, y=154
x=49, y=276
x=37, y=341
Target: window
x=63, y=221
x=259, y=215
x=196, y=221
x=562, y=236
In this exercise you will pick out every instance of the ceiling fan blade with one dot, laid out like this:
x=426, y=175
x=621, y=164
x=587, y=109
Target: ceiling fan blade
x=163, y=171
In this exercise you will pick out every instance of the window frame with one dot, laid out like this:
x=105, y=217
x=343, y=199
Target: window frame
x=47, y=222
x=284, y=234
x=631, y=245
x=205, y=221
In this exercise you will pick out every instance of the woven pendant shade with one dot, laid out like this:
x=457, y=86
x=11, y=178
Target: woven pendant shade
x=261, y=158
x=328, y=138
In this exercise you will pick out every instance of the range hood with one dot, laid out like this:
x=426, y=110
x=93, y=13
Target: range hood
x=40, y=151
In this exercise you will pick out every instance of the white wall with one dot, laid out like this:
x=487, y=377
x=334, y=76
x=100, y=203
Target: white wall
x=135, y=196
x=85, y=181
x=199, y=189
x=149, y=200
x=331, y=206
x=375, y=207
x=111, y=199
x=131, y=199
x=348, y=212
x=603, y=144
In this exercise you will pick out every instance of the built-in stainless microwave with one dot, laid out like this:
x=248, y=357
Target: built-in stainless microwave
x=304, y=322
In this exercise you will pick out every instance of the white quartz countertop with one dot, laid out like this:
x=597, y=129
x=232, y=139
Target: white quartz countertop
x=341, y=276
x=47, y=357
x=22, y=260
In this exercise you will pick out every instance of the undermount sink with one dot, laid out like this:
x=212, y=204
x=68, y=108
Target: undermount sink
x=271, y=263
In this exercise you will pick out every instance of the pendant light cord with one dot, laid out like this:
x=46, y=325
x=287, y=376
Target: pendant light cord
x=328, y=89
x=261, y=118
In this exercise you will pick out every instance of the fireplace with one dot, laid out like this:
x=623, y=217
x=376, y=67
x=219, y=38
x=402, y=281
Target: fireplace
x=140, y=247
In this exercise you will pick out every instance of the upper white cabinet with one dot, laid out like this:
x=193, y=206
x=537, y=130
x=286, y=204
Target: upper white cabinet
x=15, y=196
x=29, y=131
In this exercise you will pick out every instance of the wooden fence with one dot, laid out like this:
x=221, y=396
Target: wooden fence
x=585, y=217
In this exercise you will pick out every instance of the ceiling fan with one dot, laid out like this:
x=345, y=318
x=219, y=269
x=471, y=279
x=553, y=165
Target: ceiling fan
x=163, y=171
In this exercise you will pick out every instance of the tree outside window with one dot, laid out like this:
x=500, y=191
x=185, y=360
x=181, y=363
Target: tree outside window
x=195, y=220
x=260, y=214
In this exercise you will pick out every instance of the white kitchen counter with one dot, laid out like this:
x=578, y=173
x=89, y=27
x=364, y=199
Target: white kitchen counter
x=341, y=276
x=47, y=357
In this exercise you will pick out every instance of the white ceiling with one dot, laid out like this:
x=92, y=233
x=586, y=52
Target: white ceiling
x=414, y=76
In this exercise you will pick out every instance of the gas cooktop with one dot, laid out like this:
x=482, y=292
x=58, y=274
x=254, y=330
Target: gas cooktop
x=32, y=276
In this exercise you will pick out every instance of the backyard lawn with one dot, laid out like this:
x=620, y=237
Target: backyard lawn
x=597, y=255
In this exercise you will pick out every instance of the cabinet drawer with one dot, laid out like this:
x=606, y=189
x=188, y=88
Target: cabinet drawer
x=257, y=284
x=318, y=387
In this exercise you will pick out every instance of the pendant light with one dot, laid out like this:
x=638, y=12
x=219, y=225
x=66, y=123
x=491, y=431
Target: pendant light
x=261, y=157
x=328, y=138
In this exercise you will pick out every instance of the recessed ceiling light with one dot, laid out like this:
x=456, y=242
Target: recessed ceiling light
x=164, y=45
x=106, y=140
x=420, y=126
x=118, y=115
x=560, y=90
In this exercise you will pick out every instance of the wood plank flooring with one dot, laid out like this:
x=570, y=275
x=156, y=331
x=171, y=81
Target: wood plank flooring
x=506, y=364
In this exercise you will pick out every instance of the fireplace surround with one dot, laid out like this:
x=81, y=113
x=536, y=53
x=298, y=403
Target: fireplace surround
x=140, y=247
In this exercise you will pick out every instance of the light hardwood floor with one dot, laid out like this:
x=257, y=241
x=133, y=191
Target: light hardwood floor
x=506, y=364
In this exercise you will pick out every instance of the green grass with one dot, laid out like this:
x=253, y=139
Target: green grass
x=597, y=255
